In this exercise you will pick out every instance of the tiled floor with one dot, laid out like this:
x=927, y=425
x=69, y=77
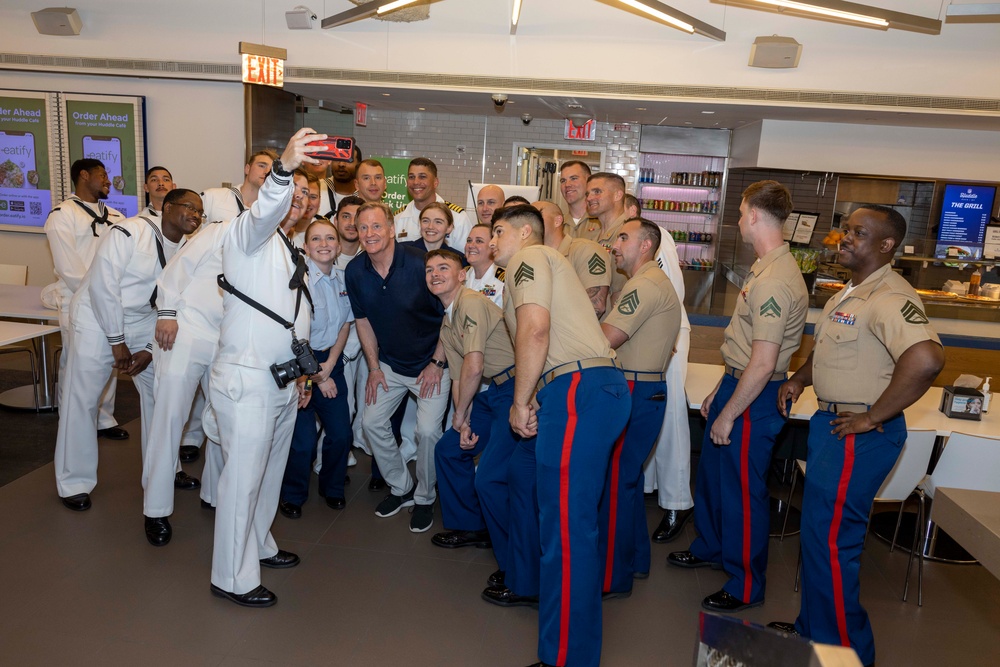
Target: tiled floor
x=86, y=589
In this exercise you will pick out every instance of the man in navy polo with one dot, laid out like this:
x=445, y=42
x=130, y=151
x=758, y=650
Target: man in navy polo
x=398, y=322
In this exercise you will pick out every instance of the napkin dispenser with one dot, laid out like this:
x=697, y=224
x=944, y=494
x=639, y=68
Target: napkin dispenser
x=962, y=403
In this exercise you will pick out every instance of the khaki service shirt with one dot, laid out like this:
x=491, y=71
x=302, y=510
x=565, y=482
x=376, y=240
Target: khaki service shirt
x=476, y=325
x=771, y=306
x=860, y=337
x=593, y=264
x=649, y=313
x=541, y=275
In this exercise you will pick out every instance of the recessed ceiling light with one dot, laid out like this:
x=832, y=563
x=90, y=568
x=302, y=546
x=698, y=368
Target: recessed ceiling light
x=386, y=94
x=709, y=113
x=687, y=122
x=421, y=108
x=640, y=108
x=511, y=101
x=574, y=106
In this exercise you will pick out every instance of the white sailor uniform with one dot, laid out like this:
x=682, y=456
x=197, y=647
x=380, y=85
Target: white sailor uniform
x=255, y=417
x=407, y=222
x=222, y=204
x=73, y=230
x=188, y=292
x=490, y=285
x=112, y=306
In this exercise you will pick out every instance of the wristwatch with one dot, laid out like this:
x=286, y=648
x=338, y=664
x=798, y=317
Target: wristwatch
x=439, y=364
x=279, y=169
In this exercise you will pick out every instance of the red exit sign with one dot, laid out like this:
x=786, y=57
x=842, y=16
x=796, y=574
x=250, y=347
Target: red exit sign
x=263, y=70
x=585, y=132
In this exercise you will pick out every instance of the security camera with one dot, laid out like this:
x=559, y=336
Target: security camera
x=526, y=118
x=499, y=101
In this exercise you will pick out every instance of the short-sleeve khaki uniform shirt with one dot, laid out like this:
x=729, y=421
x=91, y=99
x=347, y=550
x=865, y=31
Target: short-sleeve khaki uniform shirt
x=541, y=275
x=649, y=313
x=771, y=306
x=862, y=334
x=476, y=324
x=592, y=263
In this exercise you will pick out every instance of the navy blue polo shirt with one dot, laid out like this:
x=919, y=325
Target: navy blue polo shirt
x=405, y=316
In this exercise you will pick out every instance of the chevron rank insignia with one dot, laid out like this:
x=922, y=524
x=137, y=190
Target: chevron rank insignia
x=468, y=324
x=913, y=314
x=524, y=274
x=597, y=266
x=770, y=308
x=628, y=303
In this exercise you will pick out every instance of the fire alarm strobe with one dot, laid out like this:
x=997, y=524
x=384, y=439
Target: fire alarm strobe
x=57, y=21
x=775, y=52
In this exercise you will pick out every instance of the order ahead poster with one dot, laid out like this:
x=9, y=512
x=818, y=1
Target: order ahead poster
x=395, y=181
x=109, y=129
x=26, y=182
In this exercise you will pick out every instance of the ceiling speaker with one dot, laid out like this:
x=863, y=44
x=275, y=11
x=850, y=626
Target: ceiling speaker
x=775, y=52
x=300, y=18
x=57, y=21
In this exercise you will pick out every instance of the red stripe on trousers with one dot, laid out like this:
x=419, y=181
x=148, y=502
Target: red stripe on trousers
x=838, y=512
x=745, y=486
x=616, y=460
x=567, y=449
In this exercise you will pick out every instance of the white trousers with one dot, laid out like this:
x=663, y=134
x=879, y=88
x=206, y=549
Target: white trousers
x=255, y=421
x=194, y=434
x=179, y=373
x=88, y=368
x=212, y=453
x=356, y=376
x=429, y=415
x=668, y=471
x=106, y=412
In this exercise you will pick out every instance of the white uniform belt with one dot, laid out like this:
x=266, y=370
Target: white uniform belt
x=572, y=367
x=737, y=373
x=828, y=406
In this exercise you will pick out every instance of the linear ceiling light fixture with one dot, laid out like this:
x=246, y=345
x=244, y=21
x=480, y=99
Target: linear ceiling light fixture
x=842, y=10
x=514, y=16
x=675, y=18
x=364, y=11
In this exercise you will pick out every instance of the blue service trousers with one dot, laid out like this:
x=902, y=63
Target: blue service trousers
x=524, y=550
x=580, y=417
x=732, y=513
x=335, y=416
x=842, y=478
x=624, y=536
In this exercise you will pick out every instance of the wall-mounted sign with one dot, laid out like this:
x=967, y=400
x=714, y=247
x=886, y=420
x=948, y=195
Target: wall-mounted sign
x=361, y=114
x=263, y=70
x=585, y=132
x=622, y=127
x=26, y=179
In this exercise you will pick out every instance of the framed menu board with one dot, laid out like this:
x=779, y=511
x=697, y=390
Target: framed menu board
x=799, y=226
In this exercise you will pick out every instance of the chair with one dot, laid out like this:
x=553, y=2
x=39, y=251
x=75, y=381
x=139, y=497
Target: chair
x=968, y=462
x=14, y=274
x=899, y=485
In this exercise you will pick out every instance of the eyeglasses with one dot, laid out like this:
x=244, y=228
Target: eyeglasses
x=192, y=208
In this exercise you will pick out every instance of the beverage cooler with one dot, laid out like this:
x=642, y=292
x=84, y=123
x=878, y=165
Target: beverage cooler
x=681, y=187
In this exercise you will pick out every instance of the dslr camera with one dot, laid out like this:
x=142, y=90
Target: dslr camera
x=304, y=363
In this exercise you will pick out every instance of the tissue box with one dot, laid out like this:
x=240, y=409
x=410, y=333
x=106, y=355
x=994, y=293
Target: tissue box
x=962, y=403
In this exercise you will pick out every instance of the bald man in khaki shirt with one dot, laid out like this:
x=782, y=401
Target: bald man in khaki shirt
x=579, y=410
x=732, y=510
x=642, y=328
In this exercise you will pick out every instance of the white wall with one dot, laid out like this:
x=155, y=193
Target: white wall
x=194, y=128
x=866, y=149
x=554, y=39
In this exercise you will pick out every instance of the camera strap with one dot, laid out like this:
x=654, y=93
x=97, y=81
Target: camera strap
x=297, y=283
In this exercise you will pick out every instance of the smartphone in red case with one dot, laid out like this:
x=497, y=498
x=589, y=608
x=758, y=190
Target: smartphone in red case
x=339, y=149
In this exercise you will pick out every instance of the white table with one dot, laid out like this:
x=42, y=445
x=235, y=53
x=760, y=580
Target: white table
x=23, y=302
x=16, y=332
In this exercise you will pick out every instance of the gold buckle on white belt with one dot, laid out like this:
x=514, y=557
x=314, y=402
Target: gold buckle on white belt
x=572, y=367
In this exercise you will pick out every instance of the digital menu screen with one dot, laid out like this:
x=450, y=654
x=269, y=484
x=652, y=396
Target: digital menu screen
x=965, y=211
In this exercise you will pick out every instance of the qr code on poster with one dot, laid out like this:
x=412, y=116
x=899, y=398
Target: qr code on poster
x=36, y=208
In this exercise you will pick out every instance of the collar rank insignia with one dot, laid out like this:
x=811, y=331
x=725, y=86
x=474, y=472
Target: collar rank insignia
x=770, y=308
x=913, y=314
x=523, y=274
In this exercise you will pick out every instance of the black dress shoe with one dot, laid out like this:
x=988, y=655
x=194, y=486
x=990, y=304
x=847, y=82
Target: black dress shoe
x=616, y=595
x=258, y=597
x=158, y=530
x=453, y=539
x=184, y=481
x=280, y=560
x=189, y=453
x=781, y=626
x=78, y=503
x=336, y=503
x=376, y=485
x=205, y=505
x=671, y=525
x=290, y=510
x=640, y=575
x=726, y=603
x=689, y=560
x=502, y=596
x=112, y=433
x=497, y=578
